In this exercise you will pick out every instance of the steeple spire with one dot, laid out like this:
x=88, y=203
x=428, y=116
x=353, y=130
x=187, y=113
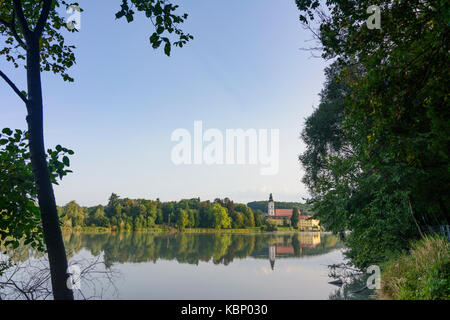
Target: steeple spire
x=271, y=207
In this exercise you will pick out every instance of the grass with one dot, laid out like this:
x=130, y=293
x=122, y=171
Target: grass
x=423, y=274
x=86, y=229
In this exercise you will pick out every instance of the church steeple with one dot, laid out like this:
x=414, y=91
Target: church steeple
x=271, y=207
x=272, y=255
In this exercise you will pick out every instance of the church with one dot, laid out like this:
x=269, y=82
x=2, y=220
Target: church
x=280, y=216
x=278, y=213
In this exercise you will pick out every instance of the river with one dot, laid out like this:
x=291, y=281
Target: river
x=143, y=265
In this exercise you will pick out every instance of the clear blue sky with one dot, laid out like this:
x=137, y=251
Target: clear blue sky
x=244, y=70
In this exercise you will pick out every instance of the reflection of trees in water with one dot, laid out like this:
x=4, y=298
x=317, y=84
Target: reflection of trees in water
x=20, y=254
x=299, y=244
x=138, y=247
x=220, y=248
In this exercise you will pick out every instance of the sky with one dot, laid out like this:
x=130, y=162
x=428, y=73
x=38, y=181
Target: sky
x=244, y=70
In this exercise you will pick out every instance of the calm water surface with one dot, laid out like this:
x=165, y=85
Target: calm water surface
x=213, y=266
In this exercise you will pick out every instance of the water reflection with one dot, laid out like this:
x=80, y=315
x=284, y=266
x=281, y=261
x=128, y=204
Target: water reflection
x=279, y=248
x=195, y=248
x=207, y=266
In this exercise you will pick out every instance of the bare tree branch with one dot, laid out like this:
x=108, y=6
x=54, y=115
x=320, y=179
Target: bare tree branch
x=13, y=86
x=30, y=280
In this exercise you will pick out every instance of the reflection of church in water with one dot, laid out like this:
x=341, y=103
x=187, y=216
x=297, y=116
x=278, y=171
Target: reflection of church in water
x=281, y=250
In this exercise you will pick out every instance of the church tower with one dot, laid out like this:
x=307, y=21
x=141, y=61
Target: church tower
x=272, y=255
x=271, y=207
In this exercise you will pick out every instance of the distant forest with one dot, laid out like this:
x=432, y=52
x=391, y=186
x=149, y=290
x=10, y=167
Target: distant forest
x=136, y=214
x=305, y=209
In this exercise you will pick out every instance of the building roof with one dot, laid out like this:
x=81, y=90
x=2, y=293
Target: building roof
x=283, y=213
x=285, y=250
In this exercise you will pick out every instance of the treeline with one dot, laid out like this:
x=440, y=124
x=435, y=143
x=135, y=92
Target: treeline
x=136, y=214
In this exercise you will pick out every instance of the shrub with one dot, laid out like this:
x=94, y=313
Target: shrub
x=270, y=226
x=421, y=274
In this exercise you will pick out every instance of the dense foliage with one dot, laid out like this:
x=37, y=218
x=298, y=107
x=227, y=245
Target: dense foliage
x=377, y=146
x=129, y=214
x=20, y=217
x=295, y=218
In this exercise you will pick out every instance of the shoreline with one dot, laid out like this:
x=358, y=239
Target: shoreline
x=186, y=231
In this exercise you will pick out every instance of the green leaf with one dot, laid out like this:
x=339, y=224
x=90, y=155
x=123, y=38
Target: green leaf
x=66, y=161
x=154, y=38
x=7, y=131
x=167, y=49
x=129, y=17
x=156, y=44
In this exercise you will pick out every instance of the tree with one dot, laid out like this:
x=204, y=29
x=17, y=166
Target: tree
x=249, y=219
x=323, y=131
x=99, y=218
x=32, y=33
x=182, y=219
x=377, y=146
x=159, y=216
x=295, y=218
x=20, y=216
x=220, y=218
x=73, y=214
x=113, y=201
x=259, y=218
x=270, y=225
x=138, y=223
x=237, y=220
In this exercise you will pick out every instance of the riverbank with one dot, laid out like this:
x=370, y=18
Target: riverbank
x=422, y=274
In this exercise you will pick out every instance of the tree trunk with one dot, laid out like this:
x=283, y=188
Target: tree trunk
x=50, y=221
